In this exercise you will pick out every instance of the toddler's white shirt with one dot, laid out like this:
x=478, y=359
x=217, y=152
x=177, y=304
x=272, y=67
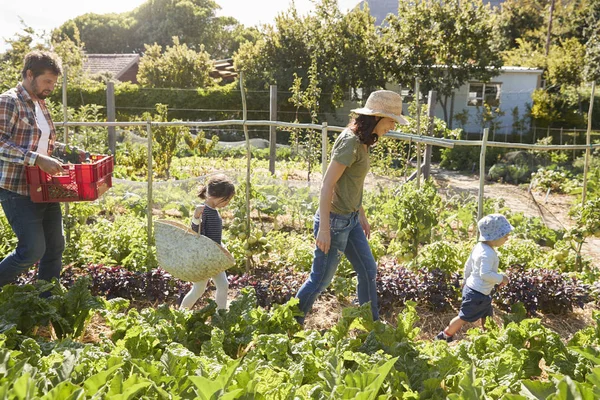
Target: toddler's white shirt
x=481, y=269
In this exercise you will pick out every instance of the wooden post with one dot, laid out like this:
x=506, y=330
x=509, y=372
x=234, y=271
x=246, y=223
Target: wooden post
x=65, y=109
x=432, y=98
x=248, y=159
x=66, y=131
x=588, y=142
x=417, y=91
x=111, y=116
x=482, y=173
x=574, y=140
x=324, y=143
x=150, y=173
x=561, y=136
x=272, y=129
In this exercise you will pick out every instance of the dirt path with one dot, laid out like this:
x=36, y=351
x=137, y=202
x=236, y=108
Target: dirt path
x=553, y=210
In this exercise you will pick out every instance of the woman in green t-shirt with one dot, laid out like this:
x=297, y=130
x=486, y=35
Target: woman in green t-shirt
x=346, y=230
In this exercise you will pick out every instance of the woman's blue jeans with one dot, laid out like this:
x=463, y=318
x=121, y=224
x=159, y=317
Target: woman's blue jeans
x=39, y=230
x=347, y=237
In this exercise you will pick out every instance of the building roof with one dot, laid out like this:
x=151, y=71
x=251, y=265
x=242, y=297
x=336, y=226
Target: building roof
x=116, y=64
x=224, y=69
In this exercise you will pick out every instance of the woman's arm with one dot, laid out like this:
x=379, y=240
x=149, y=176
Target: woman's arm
x=333, y=174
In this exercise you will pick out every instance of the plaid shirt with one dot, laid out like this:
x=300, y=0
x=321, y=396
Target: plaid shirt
x=19, y=137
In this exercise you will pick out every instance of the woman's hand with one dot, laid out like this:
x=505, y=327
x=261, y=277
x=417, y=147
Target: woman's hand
x=504, y=281
x=362, y=219
x=324, y=240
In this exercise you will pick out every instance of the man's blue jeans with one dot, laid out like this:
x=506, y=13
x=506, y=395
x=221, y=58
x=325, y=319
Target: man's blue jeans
x=39, y=230
x=347, y=237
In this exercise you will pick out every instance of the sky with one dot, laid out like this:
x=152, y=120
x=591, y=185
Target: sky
x=49, y=14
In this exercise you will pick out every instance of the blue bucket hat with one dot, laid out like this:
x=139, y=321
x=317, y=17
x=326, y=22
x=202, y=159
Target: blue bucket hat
x=493, y=227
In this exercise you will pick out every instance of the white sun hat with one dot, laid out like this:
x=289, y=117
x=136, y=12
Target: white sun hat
x=493, y=227
x=188, y=255
x=383, y=103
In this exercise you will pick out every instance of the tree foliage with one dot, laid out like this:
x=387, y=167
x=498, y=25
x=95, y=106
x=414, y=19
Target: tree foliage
x=519, y=20
x=591, y=34
x=344, y=47
x=444, y=44
x=193, y=22
x=178, y=67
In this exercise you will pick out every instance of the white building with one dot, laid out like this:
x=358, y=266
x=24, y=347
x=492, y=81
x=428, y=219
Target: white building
x=513, y=87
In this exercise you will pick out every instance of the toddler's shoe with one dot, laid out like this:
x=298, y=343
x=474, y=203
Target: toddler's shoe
x=443, y=336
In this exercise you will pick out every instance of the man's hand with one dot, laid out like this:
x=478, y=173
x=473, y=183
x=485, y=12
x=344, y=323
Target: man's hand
x=49, y=165
x=198, y=212
x=504, y=282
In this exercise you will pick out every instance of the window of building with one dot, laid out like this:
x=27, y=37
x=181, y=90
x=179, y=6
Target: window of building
x=483, y=93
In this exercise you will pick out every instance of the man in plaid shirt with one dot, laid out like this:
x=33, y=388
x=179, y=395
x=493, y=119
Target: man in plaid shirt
x=27, y=137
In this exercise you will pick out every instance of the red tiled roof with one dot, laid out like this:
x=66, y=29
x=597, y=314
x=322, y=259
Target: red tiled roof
x=116, y=64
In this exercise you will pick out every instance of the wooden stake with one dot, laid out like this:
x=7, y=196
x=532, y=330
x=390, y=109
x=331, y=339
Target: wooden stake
x=248, y=159
x=150, y=173
x=324, y=143
x=588, y=143
x=482, y=173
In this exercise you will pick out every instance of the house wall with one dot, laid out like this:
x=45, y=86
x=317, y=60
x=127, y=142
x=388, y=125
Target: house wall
x=516, y=88
x=131, y=74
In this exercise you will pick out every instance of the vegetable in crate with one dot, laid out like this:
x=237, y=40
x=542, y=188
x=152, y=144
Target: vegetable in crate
x=71, y=154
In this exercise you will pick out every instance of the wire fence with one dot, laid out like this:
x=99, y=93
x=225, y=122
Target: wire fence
x=419, y=140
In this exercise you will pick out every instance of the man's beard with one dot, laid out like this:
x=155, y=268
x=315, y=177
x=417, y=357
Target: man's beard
x=40, y=94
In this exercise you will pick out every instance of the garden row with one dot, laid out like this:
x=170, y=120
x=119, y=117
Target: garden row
x=248, y=352
x=537, y=290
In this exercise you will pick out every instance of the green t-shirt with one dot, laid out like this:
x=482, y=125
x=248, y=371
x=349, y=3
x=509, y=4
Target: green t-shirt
x=348, y=191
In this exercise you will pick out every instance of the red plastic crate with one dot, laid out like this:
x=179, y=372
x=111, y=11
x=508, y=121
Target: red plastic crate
x=80, y=182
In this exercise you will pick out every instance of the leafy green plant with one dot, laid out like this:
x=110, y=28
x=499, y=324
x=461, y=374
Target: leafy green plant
x=413, y=212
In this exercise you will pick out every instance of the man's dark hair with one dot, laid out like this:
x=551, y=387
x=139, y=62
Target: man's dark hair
x=39, y=62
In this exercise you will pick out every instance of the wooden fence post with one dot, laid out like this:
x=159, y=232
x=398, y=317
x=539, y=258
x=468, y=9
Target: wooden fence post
x=272, y=128
x=482, y=173
x=248, y=159
x=324, y=143
x=431, y=101
x=150, y=173
x=588, y=142
x=417, y=92
x=111, y=116
x=66, y=132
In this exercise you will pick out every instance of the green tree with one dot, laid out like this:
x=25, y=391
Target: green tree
x=71, y=53
x=193, y=22
x=520, y=19
x=309, y=100
x=104, y=33
x=165, y=139
x=179, y=66
x=445, y=44
x=565, y=63
x=591, y=35
x=11, y=61
x=344, y=47
x=23, y=42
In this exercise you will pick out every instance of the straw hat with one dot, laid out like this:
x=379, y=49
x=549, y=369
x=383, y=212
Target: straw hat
x=188, y=255
x=493, y=227
x=383, y=103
